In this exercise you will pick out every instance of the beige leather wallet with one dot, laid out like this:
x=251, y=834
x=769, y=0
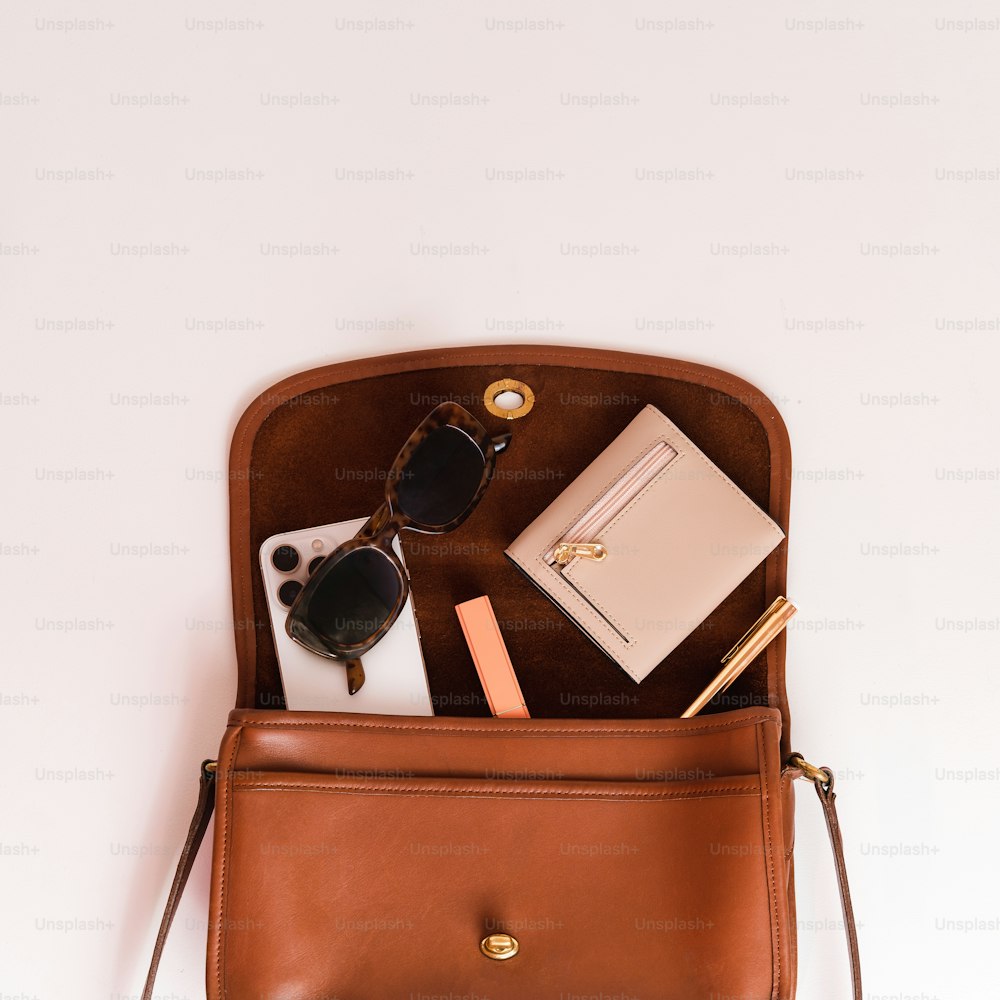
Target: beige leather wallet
x=645, y=543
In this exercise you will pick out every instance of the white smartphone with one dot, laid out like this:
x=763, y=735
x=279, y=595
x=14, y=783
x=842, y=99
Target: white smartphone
x=395, y=676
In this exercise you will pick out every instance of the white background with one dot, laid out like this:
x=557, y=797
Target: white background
x=812, y=205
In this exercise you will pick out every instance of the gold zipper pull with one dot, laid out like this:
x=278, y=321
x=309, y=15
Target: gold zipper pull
x=565, y=552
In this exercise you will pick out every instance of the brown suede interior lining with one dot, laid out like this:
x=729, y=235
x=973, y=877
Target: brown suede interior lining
x=319, y=458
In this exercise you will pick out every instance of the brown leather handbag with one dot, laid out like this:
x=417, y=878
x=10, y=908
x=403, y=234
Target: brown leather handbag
x=604, y=847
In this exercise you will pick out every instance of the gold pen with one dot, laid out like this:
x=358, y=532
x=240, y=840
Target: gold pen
x=758, y=636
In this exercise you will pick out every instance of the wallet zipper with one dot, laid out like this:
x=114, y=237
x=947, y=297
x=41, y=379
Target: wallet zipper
x=579, y=542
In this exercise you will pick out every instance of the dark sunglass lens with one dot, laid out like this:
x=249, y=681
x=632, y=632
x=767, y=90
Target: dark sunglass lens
x=441, y=477
x=355, y=598
x=285, y=558
x=288, y=591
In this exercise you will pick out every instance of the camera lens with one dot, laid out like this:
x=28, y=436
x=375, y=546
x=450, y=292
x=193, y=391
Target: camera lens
x=285, y=558
x=314, y=564
x=288, y=591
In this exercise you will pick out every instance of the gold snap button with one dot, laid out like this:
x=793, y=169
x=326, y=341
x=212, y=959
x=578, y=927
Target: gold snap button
x=508, y=390
x=499, y=946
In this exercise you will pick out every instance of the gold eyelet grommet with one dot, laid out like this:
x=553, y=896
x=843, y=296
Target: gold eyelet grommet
x=499, y=946
x=494, y=389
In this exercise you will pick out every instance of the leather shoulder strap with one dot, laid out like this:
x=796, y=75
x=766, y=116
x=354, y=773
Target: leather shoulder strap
x=822, y=778
x=196, y=834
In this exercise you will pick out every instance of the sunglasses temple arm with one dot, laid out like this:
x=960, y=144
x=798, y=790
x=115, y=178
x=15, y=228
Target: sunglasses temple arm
x=355, y=676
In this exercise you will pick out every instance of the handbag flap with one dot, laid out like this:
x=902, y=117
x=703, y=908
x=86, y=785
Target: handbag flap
x=314, y=448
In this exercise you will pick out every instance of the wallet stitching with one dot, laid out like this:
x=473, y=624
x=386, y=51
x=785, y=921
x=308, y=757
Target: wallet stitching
x=725, y=479
x=224, y=895
x=553, y=575
x=711, y=466
x=644, y=492
x=630, y=639
x=429, y=791
x=578, y=584
x=566, y=591
x=515, y=730
x=591, y=617
x=607, y=528
x=609, y=483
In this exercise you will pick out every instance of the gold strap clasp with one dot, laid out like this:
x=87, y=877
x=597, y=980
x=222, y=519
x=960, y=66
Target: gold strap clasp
x=820, y=776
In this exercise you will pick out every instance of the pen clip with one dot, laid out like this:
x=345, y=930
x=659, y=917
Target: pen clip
x=751, y=644
x=742, y=641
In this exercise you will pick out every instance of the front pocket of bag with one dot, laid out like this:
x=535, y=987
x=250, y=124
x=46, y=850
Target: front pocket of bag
x=380, y=888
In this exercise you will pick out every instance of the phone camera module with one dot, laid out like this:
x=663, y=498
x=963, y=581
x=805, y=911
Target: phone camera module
x=288, y=591
x=285, y=558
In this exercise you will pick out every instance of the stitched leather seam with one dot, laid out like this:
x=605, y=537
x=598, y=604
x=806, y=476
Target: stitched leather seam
x=645, y=490
x=718, y=473
x=557, y=591
x=630, y=639
x=576, y=582
x=608, y=485
x=766, y=808
x=786, y=781
x=509, y=731
x=224, y=895
x=612, y=481
x=429, y=791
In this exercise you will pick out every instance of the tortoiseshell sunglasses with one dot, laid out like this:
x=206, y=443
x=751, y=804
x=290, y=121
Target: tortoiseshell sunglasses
x=359, y=590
